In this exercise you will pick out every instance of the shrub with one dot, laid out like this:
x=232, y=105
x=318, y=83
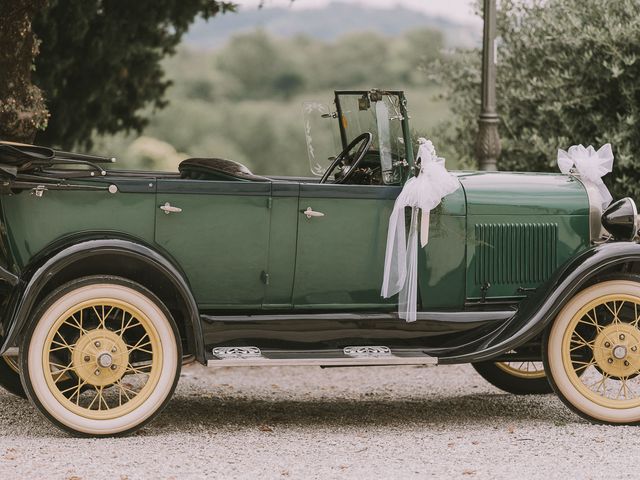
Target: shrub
x=568, y=73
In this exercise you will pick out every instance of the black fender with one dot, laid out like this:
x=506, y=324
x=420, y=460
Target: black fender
x=541, y=307
x=35, y=278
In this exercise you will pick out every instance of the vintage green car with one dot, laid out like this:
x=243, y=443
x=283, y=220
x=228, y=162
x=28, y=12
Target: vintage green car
x=111, y=279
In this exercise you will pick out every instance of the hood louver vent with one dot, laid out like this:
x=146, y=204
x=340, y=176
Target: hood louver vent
x=517, y=253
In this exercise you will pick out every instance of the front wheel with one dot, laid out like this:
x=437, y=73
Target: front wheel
x=101, y=356
x=592, y=352
x=520, y=378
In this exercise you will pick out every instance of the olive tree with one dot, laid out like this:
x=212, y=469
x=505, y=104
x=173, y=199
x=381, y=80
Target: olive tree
x=567, y=74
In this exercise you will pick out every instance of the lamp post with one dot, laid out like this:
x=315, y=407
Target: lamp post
x=488, y=142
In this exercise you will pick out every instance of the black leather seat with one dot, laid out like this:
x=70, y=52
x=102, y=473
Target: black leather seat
x=217, y=169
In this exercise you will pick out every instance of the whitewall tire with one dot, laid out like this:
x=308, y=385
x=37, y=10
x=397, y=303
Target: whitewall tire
x=592, y=352
x=101, y=356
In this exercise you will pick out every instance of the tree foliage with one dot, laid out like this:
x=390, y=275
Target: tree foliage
x=567, y=74
x=22, y=109
x=231, y=103
x=100, y=61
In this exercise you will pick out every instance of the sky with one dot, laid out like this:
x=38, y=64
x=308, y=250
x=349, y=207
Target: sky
x=457, y=10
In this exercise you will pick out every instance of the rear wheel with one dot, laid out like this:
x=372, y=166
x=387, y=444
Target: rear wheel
x=520, y=378
x=101, y=356
x=10, y=375
x=592, y=352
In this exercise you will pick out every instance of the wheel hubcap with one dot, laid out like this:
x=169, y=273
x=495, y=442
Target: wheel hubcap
x=97, y=369
x=612, y=350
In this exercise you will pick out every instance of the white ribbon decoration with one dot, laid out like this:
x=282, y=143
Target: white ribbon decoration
x=424, y=192
x=590, y=165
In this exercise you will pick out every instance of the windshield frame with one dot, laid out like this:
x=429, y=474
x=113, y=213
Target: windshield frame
x=402, y=100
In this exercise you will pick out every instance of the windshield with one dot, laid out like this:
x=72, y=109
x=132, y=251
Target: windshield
x=381, y=113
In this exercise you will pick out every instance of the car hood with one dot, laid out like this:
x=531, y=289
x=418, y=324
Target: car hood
x=509, y=193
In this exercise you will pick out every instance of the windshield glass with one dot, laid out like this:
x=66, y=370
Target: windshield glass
x=379, y=113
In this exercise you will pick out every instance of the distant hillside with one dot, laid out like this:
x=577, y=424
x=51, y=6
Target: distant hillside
x=325, y=24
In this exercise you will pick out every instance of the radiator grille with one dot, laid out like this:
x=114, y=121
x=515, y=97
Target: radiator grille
x=517, y=253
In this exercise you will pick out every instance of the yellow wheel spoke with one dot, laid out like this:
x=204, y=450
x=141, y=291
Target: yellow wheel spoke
x=137, y=370
x=97, y=395
x=585, y=366
x=593, y=321
x=128, y=325
x=581, y=339
x=125, y=390
x=614, y=311
x=146, y=335
x=635, y=311
x=601, y=383
x=122, y=390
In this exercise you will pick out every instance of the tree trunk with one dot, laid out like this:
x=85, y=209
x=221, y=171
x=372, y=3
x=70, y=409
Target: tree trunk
x=22, y=107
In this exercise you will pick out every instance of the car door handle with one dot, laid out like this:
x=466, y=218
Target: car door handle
x=168, y=208
x=310, y=213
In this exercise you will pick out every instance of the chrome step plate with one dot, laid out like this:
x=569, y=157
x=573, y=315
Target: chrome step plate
x=224, y=353
x=367, y=351
x=348, y=356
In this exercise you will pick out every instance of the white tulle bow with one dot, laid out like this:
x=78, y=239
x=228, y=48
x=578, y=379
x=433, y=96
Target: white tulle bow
x=423, y=192
x=590, y=165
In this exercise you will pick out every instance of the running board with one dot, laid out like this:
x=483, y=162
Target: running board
x=349, y=356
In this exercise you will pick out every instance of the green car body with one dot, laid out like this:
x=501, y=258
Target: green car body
x=216, y=264
x=246, y=248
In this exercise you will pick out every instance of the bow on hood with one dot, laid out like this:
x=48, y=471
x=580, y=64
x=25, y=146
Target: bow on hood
x=590, y=165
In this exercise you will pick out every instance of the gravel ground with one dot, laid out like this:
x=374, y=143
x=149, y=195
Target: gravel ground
x=304, y=422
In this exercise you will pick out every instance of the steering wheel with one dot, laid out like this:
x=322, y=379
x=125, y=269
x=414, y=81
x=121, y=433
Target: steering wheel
x=348, y=162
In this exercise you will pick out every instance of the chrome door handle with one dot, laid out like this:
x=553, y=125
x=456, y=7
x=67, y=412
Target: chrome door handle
x=310, y=213
x=168, y=208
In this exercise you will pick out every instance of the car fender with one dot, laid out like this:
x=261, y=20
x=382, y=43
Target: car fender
x=541, y=307
x=35, y=277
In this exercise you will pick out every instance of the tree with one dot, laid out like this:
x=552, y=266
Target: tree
x=259, y=66
x=22, y=109
x=567, y=73
x=100, y=61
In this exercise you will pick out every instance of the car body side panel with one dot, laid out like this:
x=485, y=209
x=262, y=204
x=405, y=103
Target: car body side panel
x=340, y=257
x=283, y=231
x=220, y=238
x=521, y=228
x=35, y=222
x=441, y=278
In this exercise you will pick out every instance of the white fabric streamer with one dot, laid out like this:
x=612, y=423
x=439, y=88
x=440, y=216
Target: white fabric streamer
x=423, y=192
x=590, y=165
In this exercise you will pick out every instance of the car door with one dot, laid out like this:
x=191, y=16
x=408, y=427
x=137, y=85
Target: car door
x=219, y=237
x=342, y=233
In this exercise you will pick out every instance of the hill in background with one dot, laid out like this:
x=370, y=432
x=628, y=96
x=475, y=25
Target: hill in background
x=326, y=24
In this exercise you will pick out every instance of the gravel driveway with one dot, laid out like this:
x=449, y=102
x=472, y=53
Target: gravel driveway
x=304, y=422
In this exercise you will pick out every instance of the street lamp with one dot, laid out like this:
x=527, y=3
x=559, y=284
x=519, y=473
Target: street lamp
x=488, y=141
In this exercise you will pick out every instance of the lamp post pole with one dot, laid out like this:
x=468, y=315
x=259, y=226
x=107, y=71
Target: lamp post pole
x=488, y=142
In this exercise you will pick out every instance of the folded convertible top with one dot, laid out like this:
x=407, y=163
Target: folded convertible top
x=21, y=157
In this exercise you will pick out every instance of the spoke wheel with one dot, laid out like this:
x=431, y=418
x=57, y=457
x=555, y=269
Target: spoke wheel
x=102, y=357
x=526, y=370
x=593, y=352
x=520, y=378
